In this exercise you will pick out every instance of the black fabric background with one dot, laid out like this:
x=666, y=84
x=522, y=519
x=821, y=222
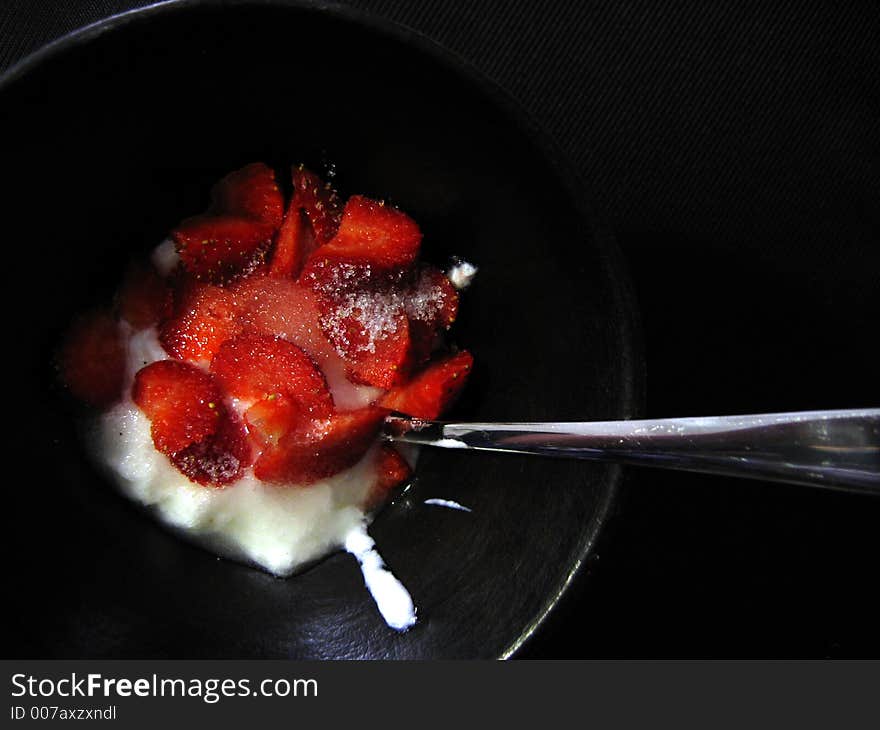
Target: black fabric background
x=734, y=150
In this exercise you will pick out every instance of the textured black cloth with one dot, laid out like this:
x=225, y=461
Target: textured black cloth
x=733, y=150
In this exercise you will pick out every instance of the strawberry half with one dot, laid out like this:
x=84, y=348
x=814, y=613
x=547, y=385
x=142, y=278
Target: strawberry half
x=218, y=459
x=329, y=447
x=295, y=241
x=373, y=233
x=268, y=420
x=283, y=308
x=232, y=239
x=206, y=316
x=431, y=306
x=250, y=192
x=312, y=219
x=393, y=471
x=221, y=248
x=183, y=403
x=92, y=359
x=429, y=393
x=254, y=367
x=319, y=201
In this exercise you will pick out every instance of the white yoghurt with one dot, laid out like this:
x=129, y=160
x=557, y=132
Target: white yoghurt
x=278, y=528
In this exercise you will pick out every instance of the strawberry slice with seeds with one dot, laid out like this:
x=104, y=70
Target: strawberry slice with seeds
x=218, y=459
x=233, y=238
x=320, y=203
x=183, y=403
x=295, y=241
x=268, y=420
x=190, y=424
x=145, y=298
x=393, y=470
x=206, y=316
x=250, y=192
x=385, y=362
x=370, y=331
x=254, y=367
x=312, y=219
x=373, y=233
x=283, y=308
x=92, y=359
x=430, y=392
x=305, y=456
x=431, y=306
x=222, y=248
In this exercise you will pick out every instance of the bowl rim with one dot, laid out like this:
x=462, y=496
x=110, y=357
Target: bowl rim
x=624, y=304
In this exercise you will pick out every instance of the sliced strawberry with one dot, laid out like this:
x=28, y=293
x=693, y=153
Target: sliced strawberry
x=393, y=471
x=206, y=316
x=387, y=364
x=92, y=359
x=334, y=277
x=330, y=446
x=183, y=403
x=218, y=459
x=429, y=393
x=268, y=420
x=283, y=308
x=319, y=201
x=432, y=306
x=222, y=248
x=250, y=192
x=312, y=219
x=293, y=244
x=373, y=233
x=432, y=299
x=370, y=332
x=253, y=367
x=145, y=298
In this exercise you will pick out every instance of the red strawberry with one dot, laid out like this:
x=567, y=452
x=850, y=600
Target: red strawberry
x=330, y=446
x=254, y=367
x=271, y=418
x=250, y=192
x=433, y=389
x=145, y=298
x=206, y=316
x=393, y=472
x=393, y=468
x=283, y=308
x=319, y=201
x=311, y=220
x=183, y=403
x=432, y=306
x=374, y=233
x=294, y=242
x=221, y=248
x=370, y=331
x=218, y=459
x=92, y=359
x=388, y=363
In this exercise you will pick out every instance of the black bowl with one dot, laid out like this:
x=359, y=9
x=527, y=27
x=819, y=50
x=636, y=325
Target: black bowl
x=115, y=133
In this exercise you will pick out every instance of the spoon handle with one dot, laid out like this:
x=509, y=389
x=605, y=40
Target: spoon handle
x=831, y=449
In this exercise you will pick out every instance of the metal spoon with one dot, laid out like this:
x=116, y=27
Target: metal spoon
x=831, y=449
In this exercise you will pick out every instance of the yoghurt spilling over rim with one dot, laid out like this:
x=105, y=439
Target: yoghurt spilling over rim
x=238, y=382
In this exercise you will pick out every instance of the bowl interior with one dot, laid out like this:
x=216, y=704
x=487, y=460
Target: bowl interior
x=118, y=133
